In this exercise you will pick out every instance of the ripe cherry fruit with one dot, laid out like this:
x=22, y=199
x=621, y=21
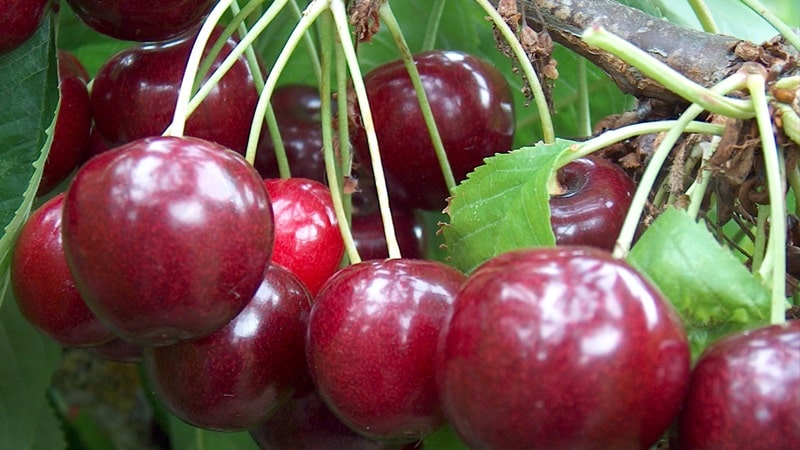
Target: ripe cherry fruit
x=43, y=286
x=371, y=342
x=561, y=347
x=167, y=238
x=242, y=373
x=473, y=109
x=19, y=19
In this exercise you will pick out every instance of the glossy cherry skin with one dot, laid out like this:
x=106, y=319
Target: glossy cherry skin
x=744, y=392
x=141, y=20
x=595, y=201
x=73, y=123
x=561, y=348
x=473, y=108
x=306, y=423
x=167, y=238
x=241, y=374
x=307, y=237
x=134, y=93
x=371, y=342
x=19, y=19
x=43, y=286
x=297, y=111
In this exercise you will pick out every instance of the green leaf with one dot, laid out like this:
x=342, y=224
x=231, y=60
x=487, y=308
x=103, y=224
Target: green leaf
x=29, y=95
x=713, y=292
x=445, y=439
x=503, y=205
x=29, y=360
x=187, y=437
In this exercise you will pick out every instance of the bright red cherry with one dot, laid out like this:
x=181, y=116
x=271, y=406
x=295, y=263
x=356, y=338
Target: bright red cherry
x=134, y=94
x=591, y=209
x=241, y=374
x=297, y=110
x=307, y=237
x=141, y=20
x=561, y=347
x=167, y=238
x=19, y=19
x=371, y=343
x=744, y=393
x=472, y=105
x=45, y=291
x=73, y=123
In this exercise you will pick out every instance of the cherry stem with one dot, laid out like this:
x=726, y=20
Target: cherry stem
x=793, y=177
x=334, y=178
x=704, y=16
x=308, y=41
x=651, y=172
x=774, y=268
x=760, y=241
x=785, y=30
x=584, y=111
x=667, y=76
x=178, y=124
x=312, y=12
x=339, y=12
x=548, y=131
x=425, y=107
x=345, y=155
x=434, y=19
x=697, y=190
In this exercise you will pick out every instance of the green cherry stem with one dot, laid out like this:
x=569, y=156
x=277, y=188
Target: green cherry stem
x=646, y=183
x=667, y=76
x=785, y=30
x=432, y=28
x=773, y=271
x=308, y=43
x=425, y=107
x=703, y=14
x=548, y=131
x=793, y=177
x=331, y=169
x=339, y=12
x=584, y=111
x=697, y=190
x=178, y=124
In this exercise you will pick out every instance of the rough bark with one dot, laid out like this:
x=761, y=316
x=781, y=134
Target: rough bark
x=702, y=57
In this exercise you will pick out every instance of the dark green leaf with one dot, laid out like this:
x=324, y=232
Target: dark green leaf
x=29, y=360
x=187, y=437
x=445, y=439
x=29, y=95
x=503, y=205
x=714, y=293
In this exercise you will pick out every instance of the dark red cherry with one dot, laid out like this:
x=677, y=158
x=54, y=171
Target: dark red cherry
x=307, y=237
x=297, y=110
x=134, y=94
x=73, y=123
x=237, y=377
x=43, y=286
x=141, y=20
x=370, y=238
x=473, y=108
x=371, y=343
x=167, y=238
x=745, y=393
x=19, y=19
x=594, y=202
x=561, y=348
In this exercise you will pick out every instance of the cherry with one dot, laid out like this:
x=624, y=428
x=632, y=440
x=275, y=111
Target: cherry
x=744, y=392
x=141, y=20
x=167, y=238
x=73, y=123
x=297, y=110
x=591, y=209
x=19, y=19
x=45, y=291
x=561, y=347
x=306, y=423
x=371, y=341
x=241, y=374
x=307, y=237
x=135, y=91
x=473, y=108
